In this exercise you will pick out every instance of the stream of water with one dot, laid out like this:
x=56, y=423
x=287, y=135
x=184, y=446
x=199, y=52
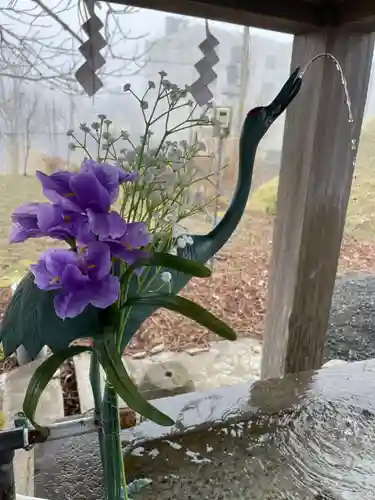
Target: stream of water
x=342, y=76
x=348, y=102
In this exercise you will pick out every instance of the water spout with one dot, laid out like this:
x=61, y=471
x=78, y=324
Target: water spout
x=343, y=81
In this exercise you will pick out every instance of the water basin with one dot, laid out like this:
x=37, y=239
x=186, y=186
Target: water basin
x=309, y=436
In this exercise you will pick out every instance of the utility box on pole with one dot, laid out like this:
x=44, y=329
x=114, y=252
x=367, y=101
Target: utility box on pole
x=223, y=119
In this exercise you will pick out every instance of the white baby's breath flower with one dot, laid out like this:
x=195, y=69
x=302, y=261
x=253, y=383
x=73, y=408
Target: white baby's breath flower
x=72, y=146
x=181, y=242
x=166, y=84
x=173, y=251
x=83, y=126
x=166, y=277
x=106, y=135
x=189, y=240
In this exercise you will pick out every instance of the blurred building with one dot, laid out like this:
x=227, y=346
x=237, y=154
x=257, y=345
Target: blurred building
x=269, y=65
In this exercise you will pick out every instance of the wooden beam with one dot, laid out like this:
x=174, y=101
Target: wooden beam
x=290, y=16
x=314, y=187
x=357, y=14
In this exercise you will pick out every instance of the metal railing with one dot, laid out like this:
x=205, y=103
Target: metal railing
x=23, y=437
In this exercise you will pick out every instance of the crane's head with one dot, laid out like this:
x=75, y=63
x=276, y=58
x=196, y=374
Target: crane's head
x=259, y=119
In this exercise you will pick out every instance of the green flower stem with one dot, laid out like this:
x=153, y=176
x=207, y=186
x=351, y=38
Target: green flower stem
x=109, y=436
x=97, y=395
x=115, y=481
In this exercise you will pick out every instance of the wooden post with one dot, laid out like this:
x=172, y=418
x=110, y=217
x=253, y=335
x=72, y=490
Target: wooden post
x=314, y=187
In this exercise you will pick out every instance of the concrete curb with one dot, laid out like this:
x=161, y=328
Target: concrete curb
x=50, y=409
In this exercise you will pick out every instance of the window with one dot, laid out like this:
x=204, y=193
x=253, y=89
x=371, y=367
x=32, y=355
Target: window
x=271, y=61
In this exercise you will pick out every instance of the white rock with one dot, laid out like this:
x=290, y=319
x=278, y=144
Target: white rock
x=139, y=355
x=157, y=349
x=196, y=350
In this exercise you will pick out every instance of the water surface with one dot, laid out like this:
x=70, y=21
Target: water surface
x=309, y=437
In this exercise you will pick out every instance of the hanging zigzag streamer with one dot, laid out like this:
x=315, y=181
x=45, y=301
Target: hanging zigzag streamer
x=199, y=89
x=86, y=74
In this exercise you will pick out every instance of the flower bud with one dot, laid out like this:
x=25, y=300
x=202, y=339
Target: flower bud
x=84, y=127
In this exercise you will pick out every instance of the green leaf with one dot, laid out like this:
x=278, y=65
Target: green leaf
x=39, y=381
x=160, y=259
x=30, y=320
x=187, y=308
x=118, y=377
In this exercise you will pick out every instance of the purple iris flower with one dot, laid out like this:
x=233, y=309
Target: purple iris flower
x=94, y=187
x=57, y=188
x=108, y=225
x=80, y=278
x=109, y=176
x=128, y=246
x=54, y=221
x=25, y=223
x=35, y=220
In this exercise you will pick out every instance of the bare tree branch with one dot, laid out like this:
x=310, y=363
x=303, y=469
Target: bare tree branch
x=39, y=40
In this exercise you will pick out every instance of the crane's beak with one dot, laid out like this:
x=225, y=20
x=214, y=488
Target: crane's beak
x=286, y=94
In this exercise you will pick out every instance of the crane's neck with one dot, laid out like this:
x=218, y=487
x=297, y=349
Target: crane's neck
x=224, y=230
